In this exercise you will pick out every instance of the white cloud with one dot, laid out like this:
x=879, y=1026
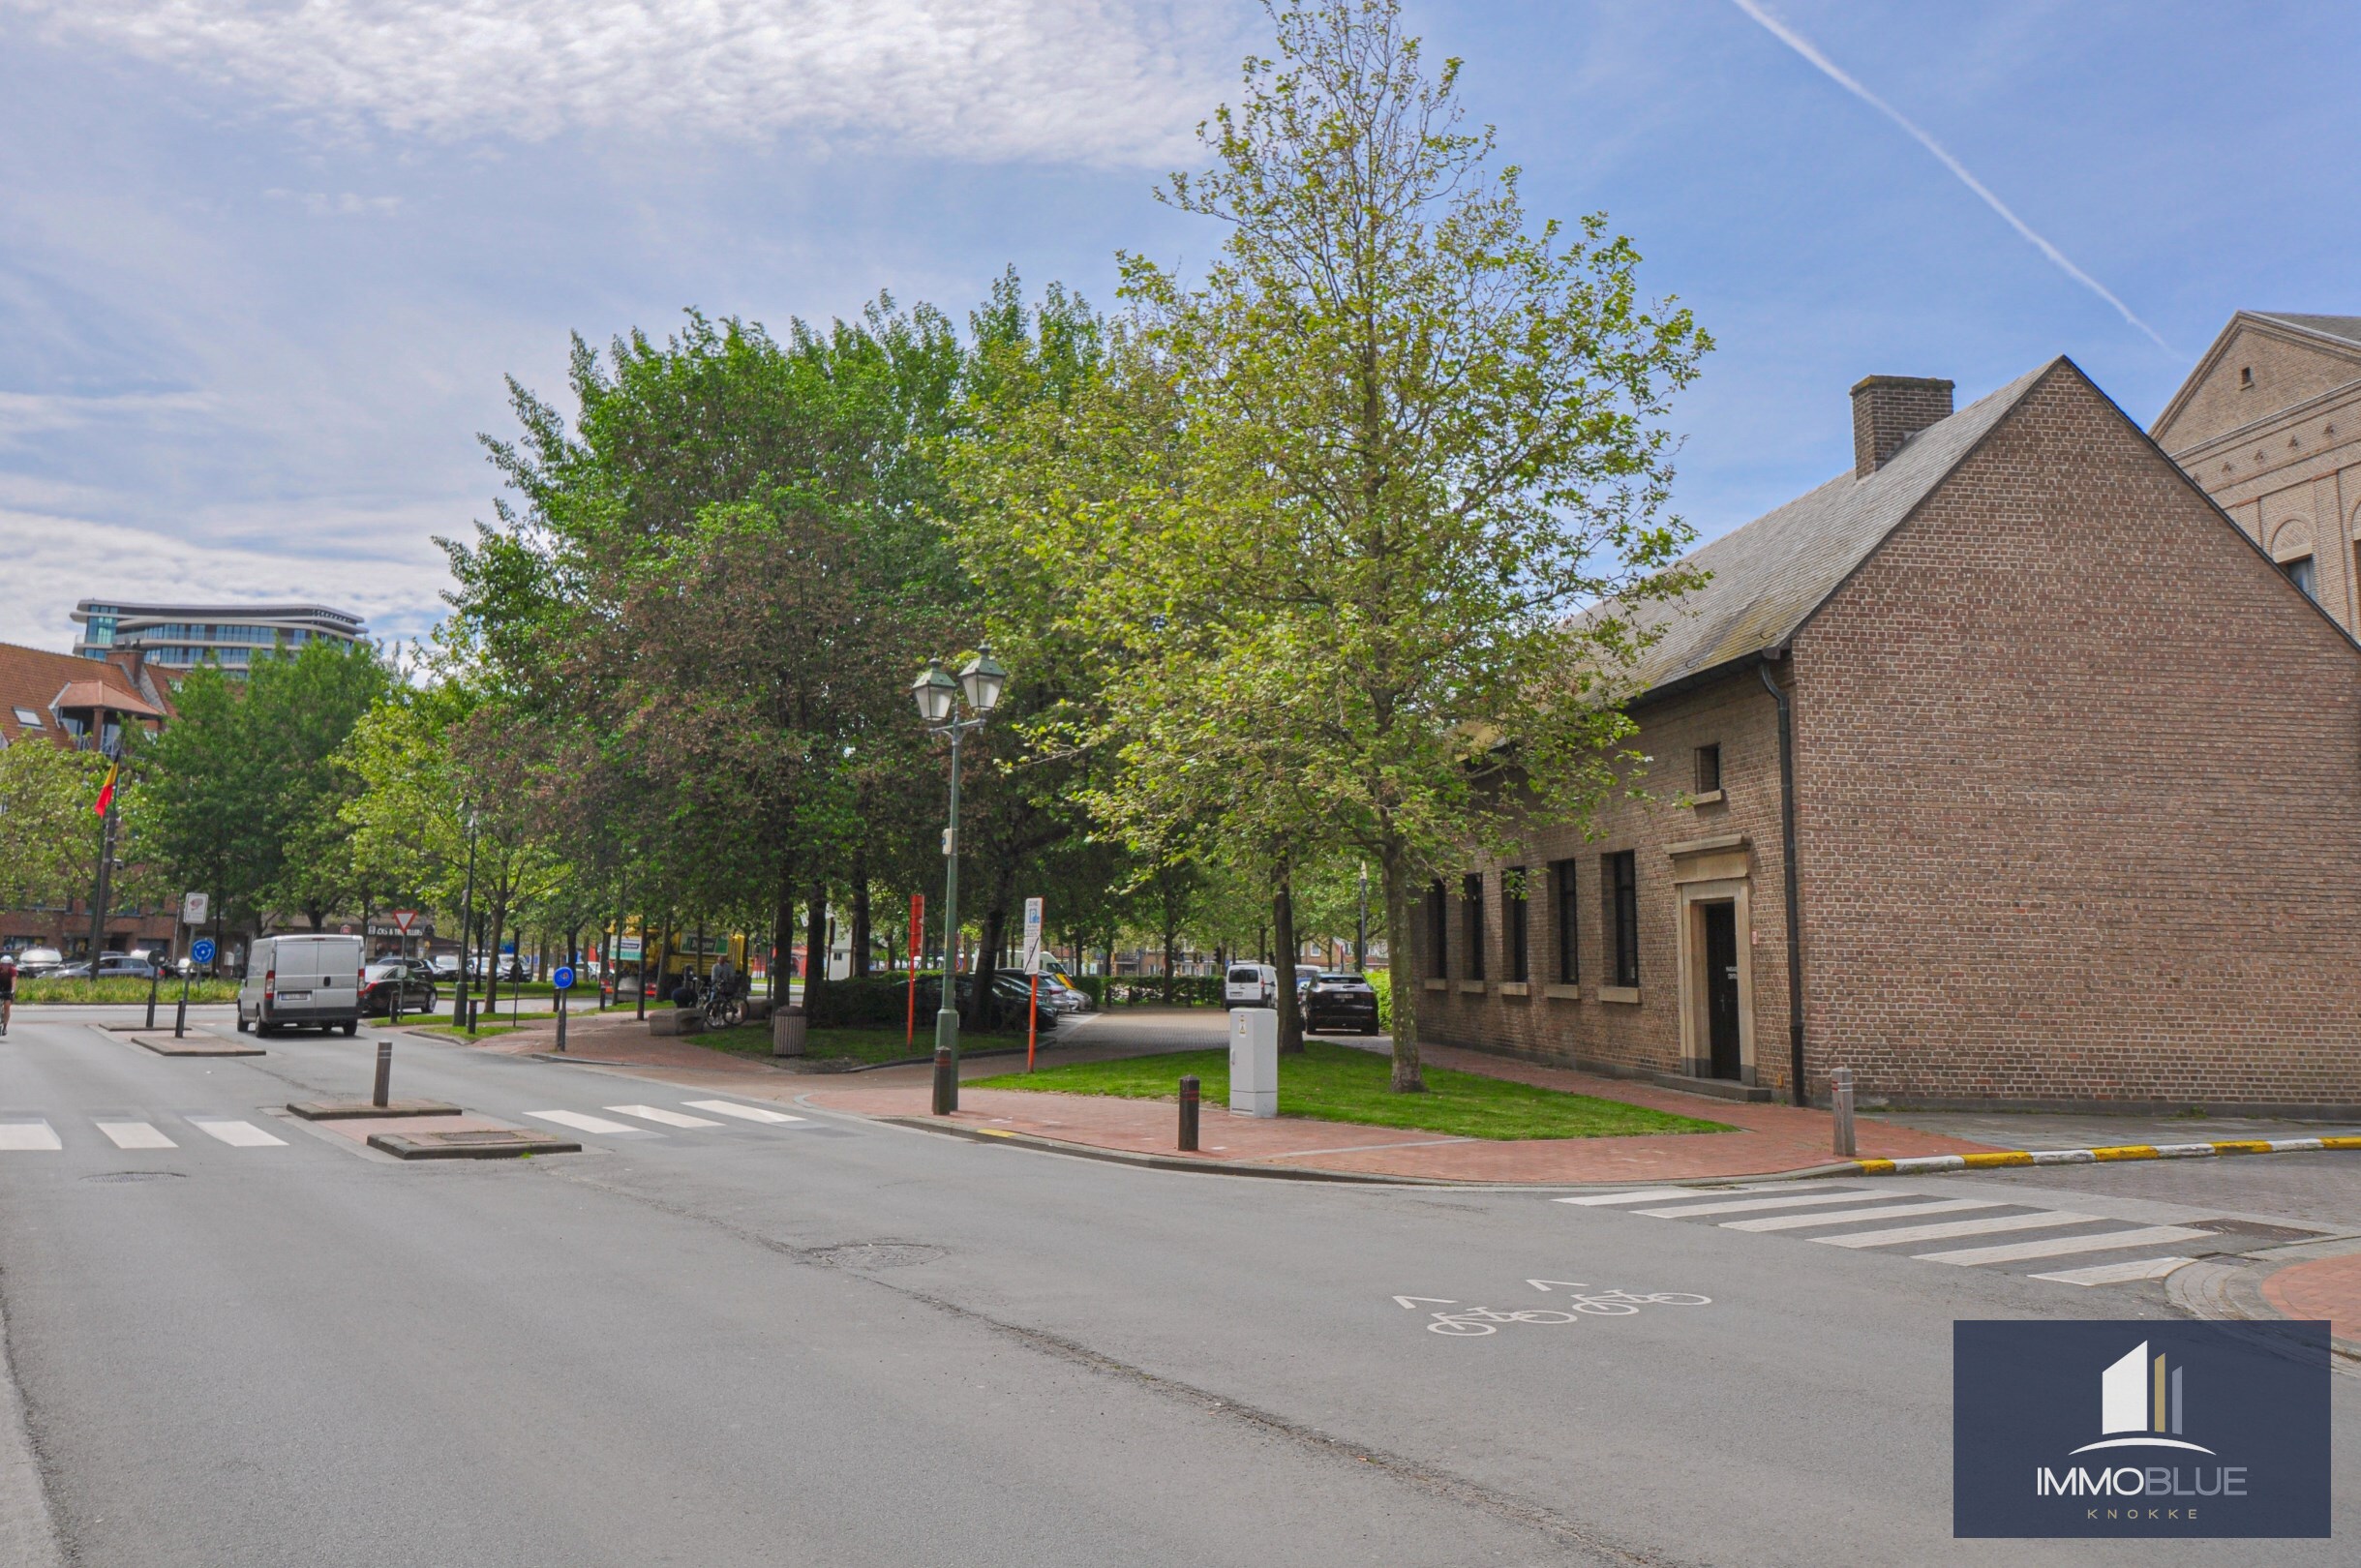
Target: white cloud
x=344, y=204
x=1098, y=81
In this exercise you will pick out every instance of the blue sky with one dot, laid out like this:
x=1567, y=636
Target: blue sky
x=263, y=266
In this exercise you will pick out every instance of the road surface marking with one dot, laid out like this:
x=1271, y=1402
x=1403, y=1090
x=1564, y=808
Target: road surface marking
x=135, y=1135
x=1846, y=1217
x=239, y=1135
x=658, y=1113
x=748, y=1113
x=28, y=1136
x=2139, y=1268
x=1590, y=1200
x=2043, y=1220
x=2152, y=1236
x=581, y=1123
x=1740, y=1205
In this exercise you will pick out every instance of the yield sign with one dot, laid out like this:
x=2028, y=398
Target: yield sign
x=404, y=920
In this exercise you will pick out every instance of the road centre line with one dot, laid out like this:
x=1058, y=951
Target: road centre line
x=1798, y=1200
x=2139, y=1268
x=29, y=1137
x=2046, y=1220
x=747, y=1113
x=1846, y=1217
x=136, y=1135
x=658, y=1113
x=2060, y=1246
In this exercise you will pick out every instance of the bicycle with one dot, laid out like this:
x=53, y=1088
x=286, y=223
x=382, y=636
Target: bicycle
x=726, y=1009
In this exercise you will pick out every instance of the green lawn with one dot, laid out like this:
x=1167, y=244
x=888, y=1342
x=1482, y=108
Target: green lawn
x=821, y=1045
x=119, y=990
x=1336, y=1083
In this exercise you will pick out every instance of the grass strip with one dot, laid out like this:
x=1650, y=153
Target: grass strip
x=1336, y=1083
x=119, y=991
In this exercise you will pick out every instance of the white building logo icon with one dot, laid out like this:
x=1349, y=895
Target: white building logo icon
x=2140, y=1397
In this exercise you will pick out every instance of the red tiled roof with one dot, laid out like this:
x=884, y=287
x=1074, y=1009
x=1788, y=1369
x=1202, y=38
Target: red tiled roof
x=39, y=680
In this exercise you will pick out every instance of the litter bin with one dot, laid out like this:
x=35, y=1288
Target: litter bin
x=787, y=1031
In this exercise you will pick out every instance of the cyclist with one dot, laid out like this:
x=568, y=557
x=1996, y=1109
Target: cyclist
x=8, y=989
x=724, y=976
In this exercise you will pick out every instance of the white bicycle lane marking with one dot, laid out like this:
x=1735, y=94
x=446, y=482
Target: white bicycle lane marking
x=1583, y=1301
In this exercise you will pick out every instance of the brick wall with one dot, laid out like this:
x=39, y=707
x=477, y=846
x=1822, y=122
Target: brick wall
x=1737, y=714
x=2079, y=785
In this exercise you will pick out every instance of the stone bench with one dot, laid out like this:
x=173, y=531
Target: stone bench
x=677, y=1021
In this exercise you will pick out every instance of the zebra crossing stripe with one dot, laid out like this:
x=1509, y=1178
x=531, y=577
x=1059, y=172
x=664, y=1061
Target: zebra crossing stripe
x=1792, y=1200
x=584, y=1122
x=744, y=1113
x=2061, y=1246
x=2048, y=1219
x=658, y=1113
x=1846, y=1217
x=237, y=1135
x=29, y=1137
x=135, y=1135
x=2139, y=1268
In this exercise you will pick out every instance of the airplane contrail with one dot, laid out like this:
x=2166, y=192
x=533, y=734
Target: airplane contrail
x=1836, y=73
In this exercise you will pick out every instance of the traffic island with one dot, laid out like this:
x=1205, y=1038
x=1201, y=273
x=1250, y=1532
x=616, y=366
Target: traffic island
x=165, y=1044
x=470, y=1143
x=335, y=1110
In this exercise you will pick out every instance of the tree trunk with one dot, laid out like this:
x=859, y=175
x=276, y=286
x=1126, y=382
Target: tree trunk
x=783, y=929
x=1282, y=927
x=815, y=944
x=1404, y=956
x=861, y=914
x=985, y=1006
x=498, y=917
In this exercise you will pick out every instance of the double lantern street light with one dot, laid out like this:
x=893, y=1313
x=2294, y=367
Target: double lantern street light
x=938, y=696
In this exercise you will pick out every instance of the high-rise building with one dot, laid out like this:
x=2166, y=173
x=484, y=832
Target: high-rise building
x=180, y=637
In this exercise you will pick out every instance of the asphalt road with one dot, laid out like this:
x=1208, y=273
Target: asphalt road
x=834, y=1342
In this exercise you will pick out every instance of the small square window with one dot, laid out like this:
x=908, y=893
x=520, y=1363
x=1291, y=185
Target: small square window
x=1708, y=768
x=2301, y=573
x=28, y=718
x=2246, y=377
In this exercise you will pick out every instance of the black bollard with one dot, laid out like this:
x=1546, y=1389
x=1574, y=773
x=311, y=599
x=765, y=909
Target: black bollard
x=561, y=1024
x=1187, y=1114
x=384, y=1071
x=946, y=1082
x=154, y=976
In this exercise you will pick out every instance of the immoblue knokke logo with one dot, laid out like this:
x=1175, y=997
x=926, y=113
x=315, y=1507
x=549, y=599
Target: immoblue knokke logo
x=2082, y=1429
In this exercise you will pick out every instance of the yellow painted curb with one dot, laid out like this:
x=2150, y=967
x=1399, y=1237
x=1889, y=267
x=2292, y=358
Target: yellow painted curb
x=2340, y=1143
x=2245, y=1146
x=2128, y=1151
x=1876, y=1167
x=1984, y=1162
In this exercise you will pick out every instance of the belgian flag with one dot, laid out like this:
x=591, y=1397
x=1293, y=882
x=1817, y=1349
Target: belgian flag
x=107, y=792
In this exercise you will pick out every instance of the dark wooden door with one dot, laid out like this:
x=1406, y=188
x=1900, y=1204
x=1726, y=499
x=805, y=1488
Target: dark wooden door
x=1721, y=988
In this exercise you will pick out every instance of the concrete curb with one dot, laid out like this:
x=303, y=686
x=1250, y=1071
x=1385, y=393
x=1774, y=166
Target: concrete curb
x=2229, y=1289
x=28, y=1532
x=1929, y=1165
x=1155, y=1161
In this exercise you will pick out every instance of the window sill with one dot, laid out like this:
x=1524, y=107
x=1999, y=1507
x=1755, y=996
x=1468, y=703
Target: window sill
x=1706, y=798
x=1628, y=994
x=1471, y=988
x=1515, y=988
x=1434, y=984
x=1562, y=993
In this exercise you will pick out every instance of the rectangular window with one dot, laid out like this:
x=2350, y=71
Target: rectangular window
x=1708, y=768
x=2300, y=572
x=1620, y=876
x=1513, y=922
x=1569, y=951
x=1439, y=932
x=1471, y=901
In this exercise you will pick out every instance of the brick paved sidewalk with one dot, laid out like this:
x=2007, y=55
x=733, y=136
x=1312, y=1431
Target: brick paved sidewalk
x=2325, y=1287
x=1768, y=1140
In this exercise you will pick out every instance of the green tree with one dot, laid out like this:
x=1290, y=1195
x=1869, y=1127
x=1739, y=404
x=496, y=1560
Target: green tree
x=1411, y=439
x=48, y=834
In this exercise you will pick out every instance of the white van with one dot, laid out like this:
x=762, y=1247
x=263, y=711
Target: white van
x=303, y=982
x=1251, y=985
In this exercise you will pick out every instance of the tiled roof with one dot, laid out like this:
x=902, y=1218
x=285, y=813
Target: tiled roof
x=34, y=678
x=2347, y=328
x=1771, y=574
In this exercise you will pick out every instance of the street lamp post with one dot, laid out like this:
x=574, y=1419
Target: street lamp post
x=466, y=915
x=1360, y=932
x=938, y=702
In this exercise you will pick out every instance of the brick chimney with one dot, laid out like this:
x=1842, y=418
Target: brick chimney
x=1887, y=410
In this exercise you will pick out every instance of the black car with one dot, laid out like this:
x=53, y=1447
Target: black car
x=1337, y=1001
x=411, y=979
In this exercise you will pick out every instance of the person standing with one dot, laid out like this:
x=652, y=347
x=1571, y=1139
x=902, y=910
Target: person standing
x=8, y=990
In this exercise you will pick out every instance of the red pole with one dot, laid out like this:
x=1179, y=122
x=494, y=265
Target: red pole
x=1033, y=1016
x=917, y=923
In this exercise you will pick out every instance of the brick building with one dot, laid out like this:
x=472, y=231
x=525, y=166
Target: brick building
x=62, y=700
x=2070, y=770
x=2270, y=424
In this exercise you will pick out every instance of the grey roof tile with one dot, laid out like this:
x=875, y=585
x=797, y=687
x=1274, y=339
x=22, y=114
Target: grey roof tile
x=1771, y=574
x=2347, y=328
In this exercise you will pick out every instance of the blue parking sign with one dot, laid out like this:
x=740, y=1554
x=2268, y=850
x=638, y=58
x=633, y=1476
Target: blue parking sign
x=202, y=949
x=562, y=978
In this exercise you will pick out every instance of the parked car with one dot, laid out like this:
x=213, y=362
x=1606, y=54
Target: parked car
x=33, y=962
x=1060, y=995
x=446, y=966
x=1338, y=1000
x=1251, y=985
x=409, y=978
x=302, y=983
x=127, y=966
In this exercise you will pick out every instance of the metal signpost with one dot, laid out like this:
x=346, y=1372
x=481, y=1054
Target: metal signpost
x=1033, y=982
x=561, y=980
x=402, y=920
x=200, y=952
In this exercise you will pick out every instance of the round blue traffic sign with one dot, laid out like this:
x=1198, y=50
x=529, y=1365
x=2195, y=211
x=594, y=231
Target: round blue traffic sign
x=202, y=949
x=562, y=978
